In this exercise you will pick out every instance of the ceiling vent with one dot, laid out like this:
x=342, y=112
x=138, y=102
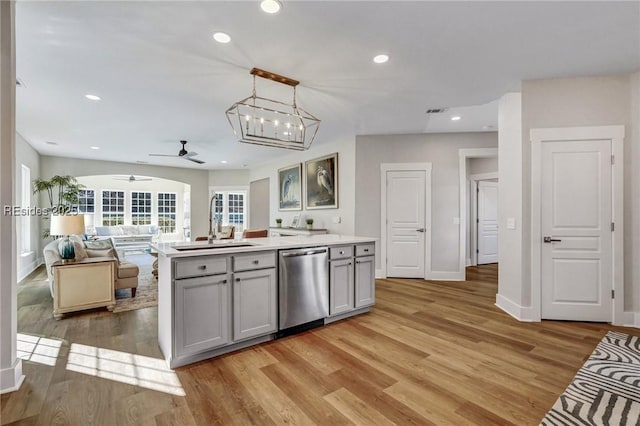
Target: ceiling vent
x=436, y=110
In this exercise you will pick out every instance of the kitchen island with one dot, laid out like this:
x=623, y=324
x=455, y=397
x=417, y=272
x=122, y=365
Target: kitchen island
x=214, y=298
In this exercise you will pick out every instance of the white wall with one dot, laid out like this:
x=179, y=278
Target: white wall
x=476, y=166
x=229, y=177
x=27, y=261
x=631, y=258
x=440, y=149
x=346, y=187
x=197, y=179
x=510, y=201
x=107, y=182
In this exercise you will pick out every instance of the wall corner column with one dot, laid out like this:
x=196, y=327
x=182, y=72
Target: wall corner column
x=11, y=376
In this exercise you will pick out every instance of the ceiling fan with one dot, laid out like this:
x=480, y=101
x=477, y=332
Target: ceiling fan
x=132, y=178
x=183, y=153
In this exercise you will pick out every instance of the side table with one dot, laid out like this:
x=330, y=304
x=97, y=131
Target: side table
x=83, y=284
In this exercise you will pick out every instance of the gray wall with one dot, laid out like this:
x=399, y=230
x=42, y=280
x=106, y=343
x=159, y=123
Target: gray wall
x=441, y=150
x=259, y=204
x=476, y=166
x=198, y=179
x=229, y=177
x=28, y=156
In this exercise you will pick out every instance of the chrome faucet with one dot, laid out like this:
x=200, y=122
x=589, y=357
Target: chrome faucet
x=210, y=237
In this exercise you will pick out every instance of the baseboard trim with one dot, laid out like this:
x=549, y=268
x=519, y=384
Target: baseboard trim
x=446, y=276
x=521, y=313
x=379, y=274
x=468, y=261
x=11, y=378
x=24, y=272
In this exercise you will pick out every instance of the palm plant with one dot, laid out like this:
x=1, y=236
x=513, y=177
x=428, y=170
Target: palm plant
x=62, y=194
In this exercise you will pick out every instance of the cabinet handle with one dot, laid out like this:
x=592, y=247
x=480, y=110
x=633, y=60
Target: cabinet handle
x=357, y=261
x=255, y=262
x=202, y=267
x=341, y=251
x=237, y=280
x=223, y=282
x=366, y=250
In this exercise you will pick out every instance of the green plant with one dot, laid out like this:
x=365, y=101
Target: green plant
x=62, y=194
x=309, y=221
x=279, y=221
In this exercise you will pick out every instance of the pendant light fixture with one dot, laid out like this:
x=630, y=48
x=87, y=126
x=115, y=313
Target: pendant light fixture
x=262, y=121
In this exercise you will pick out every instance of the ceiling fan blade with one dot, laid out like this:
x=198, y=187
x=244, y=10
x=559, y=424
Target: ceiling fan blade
x=190, y=154
x=120, y=178
x=141, y=179
x=163, y=155
x=195, y=160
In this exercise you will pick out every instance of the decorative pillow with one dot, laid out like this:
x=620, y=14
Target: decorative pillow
x=116, y=230
x=99, y=244
x=130, y=230
x=103, y=253
x=102, y=231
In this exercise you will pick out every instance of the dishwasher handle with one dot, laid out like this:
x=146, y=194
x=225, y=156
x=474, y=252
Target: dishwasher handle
x=303, y=253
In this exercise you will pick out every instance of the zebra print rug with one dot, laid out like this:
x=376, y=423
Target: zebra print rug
x=606, y=390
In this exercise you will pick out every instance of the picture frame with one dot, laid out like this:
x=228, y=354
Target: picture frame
x=295, y=221
x=290, y=188
x=321, y=182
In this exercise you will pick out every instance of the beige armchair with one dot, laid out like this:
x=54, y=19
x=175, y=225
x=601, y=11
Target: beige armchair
x=126, y=274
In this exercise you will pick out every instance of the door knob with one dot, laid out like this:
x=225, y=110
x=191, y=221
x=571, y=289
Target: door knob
x=421, y=230
x=550, y=240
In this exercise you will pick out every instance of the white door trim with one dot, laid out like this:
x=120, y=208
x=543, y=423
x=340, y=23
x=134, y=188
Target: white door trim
x=473, y=226
x=567, y=134
x=463, y=155
x=384, y=168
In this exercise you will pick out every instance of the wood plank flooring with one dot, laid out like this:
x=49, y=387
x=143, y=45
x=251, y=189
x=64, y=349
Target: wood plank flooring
x=428, y=353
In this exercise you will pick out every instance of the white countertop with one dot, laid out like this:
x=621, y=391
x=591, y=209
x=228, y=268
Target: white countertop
x=257, y=244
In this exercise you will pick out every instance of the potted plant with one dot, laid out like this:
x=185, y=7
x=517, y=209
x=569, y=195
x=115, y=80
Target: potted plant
x=279, y=223
x=309, y=223
x=62, y=194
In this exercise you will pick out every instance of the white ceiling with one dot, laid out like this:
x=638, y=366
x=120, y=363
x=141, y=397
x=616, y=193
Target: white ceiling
x=163, y=78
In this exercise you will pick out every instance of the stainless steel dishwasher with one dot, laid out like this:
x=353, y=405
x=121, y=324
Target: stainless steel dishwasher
x=304, y=288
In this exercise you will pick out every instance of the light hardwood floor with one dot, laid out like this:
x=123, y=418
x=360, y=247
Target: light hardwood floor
x=428, y=353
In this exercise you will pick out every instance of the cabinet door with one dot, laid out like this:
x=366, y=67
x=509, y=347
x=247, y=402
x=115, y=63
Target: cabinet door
x=340, y=286
x=365, y=281
x=255, y=303
x=201, y=313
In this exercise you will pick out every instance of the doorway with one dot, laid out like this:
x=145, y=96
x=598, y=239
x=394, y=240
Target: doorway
x=406, y=220
x=576, y=234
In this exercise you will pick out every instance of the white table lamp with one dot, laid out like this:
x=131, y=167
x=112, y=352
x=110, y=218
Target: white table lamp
x=65, y=225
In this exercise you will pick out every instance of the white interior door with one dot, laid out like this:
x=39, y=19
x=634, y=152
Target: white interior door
x=406, y=191
x=487, y=222
x=576, y=254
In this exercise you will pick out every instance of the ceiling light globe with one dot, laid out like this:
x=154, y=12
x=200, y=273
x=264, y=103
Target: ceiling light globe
x=271, y=6
x=221, y=37
x=380, y=59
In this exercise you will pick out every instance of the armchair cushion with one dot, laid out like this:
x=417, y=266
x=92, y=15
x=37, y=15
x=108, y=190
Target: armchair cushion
x=128, y=270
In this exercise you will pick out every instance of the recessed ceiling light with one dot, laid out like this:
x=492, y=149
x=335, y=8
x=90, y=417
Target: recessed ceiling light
x=94, y=147
x=92, y=97
x=51, y=143
x=221, y=37
x=456, y=118
x=223, y=161
x=271, y=6
x=380, y=59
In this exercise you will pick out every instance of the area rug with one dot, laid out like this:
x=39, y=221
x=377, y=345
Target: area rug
x=606, y=390
x=147, y=293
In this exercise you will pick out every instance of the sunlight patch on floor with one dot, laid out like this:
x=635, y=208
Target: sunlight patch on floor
x=124, y=367
x=38, y=349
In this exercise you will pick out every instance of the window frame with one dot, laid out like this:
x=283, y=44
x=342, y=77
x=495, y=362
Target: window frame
x=148, y=213
x=110, y=213
x=161, y=206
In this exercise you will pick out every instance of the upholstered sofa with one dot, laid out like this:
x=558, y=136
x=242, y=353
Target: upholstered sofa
x=128, y=236
x=126, y=275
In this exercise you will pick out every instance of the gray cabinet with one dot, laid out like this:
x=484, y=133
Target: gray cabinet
x=341, y=286
x=255, y=303
x=201, y=313
x=255, y=298
x=365, y=281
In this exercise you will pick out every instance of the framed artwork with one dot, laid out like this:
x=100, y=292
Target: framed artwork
x=290, y=187
x=321, y=182
x=295, y=221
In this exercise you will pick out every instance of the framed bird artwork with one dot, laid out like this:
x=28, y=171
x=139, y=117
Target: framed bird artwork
x=321, y=182
x=290, y=187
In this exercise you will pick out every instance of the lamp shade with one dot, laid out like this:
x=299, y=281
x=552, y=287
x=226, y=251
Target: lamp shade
x=67, y=225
